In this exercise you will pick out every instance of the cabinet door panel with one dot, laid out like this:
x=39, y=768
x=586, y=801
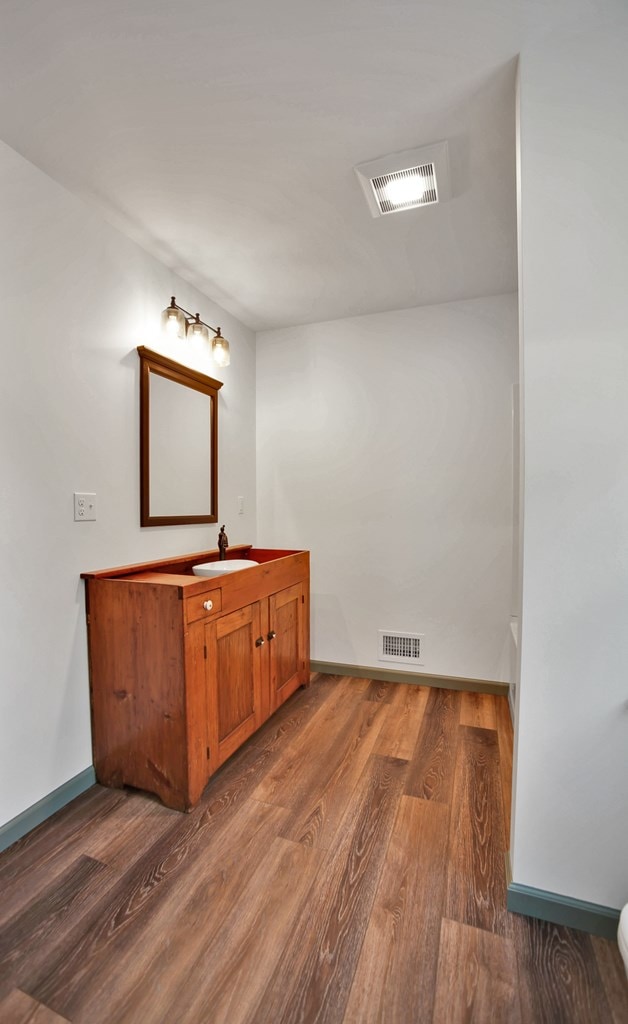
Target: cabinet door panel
x=287, y=648
x=234, y=680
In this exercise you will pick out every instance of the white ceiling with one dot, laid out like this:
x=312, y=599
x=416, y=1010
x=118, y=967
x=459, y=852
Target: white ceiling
x=222, y=136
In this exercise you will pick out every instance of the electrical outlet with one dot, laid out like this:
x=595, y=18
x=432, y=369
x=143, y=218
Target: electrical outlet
x=84, y=507
x=240, y=505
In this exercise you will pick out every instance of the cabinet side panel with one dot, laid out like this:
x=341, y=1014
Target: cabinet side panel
x=305, y=627
x=136, y=668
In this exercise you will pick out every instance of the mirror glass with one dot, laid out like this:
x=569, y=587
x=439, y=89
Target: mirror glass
x=178, y=443
x=180, y=436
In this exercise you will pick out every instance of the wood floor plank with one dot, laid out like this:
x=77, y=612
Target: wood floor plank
x=559, y=980
x=295, y=714
x=316, y=748
x=321, y=800
x=60, y=902
x=28, y=866
x=399, y=956
x=314, y=978
x=27, y=938
x=400, y=731
x=234, y=968
x=431, y=771
x=19, y=1008
x=119, y=911
x=505, y=738
x=380, y=691
x=80, y=815
x=476, y=880
x=478, y=710
x=357, y=684
x=611, y=970
x=193, y=915
x=477, y=977
x=132, y=827
x=135, y=900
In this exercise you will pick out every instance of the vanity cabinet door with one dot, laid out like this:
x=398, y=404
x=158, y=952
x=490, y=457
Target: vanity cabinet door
x=234, y=680
x=287, y=643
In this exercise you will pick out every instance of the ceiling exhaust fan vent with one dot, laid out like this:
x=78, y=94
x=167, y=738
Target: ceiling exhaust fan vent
x=403, y=190
x=403, y=181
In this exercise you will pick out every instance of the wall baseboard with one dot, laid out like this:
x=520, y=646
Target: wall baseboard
x=44, y=808
x=551, y=906
x=329, y=668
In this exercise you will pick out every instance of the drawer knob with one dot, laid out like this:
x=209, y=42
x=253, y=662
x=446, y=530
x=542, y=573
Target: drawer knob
x=259, y=642
x=272, y=635
x=208, y=605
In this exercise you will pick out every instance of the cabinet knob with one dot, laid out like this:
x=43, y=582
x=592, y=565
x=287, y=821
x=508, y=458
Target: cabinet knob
x=259, y=642
x=272, y=635
x=208, y=605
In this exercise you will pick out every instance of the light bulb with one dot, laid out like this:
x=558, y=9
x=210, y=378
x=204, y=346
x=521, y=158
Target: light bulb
x=220, y=350
x=197, y=329
x=405, y=190
x=173, y=320
x=172, y=323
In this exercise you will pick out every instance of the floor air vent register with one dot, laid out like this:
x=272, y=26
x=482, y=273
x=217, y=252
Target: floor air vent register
x=405, y=647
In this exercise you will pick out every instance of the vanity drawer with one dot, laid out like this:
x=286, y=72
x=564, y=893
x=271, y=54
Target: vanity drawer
x=197, y=607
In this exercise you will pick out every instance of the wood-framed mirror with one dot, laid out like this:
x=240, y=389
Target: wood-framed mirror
x=178, y=443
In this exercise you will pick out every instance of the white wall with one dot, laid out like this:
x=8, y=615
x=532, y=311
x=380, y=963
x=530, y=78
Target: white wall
x=570, y=832
x=385, y=447
x=77, y=298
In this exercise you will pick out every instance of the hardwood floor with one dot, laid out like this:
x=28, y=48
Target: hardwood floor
x=346, y=865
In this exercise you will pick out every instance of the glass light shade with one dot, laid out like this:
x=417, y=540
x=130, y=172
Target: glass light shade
x=196, y=329
x=220, y=350
x=173, y=321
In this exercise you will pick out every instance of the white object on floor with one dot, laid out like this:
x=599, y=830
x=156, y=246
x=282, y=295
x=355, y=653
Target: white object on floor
x=622, y=936
x=220, y=568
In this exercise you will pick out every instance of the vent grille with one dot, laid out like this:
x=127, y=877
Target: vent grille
x=401, y=181
x=417, y=183
x=395, y=646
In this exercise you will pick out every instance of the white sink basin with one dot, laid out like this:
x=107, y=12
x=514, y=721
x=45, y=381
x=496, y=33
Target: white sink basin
x=220, y=568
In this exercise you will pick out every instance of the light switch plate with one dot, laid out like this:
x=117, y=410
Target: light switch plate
x=84, y=507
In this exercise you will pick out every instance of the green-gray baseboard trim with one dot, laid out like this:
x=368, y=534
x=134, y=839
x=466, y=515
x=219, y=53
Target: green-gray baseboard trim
x=329, y=668
x=44, y=808
x=550, y=906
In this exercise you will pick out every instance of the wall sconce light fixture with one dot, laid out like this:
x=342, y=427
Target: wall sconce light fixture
x=177, y=322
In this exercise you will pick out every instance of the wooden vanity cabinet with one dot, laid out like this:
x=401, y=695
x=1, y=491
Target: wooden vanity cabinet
x=183, y=669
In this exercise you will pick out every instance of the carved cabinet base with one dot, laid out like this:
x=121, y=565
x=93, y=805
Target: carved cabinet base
x=184, y=669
